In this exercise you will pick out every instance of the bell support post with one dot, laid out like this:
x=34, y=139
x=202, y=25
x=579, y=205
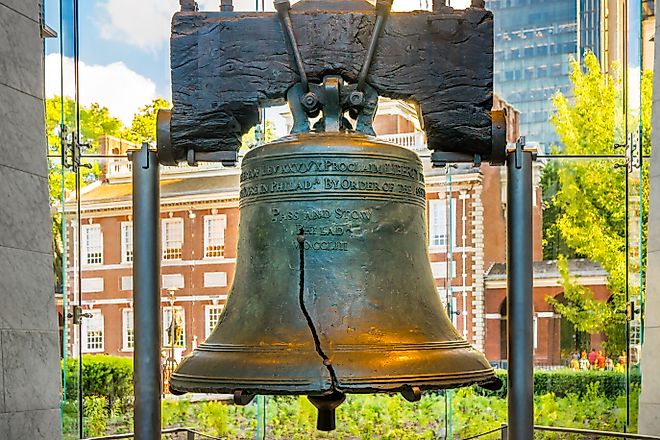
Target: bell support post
x=519, y=292
x=146, y=292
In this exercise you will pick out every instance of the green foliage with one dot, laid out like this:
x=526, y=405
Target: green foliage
x=143, y=127
x=564, y=382
x=96, y=415
x=579, y=305
x=108, y=376
x=593, y=399
x=584, y=210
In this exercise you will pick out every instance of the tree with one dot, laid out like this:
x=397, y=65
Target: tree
x=95, y=121
x=143, y=127
x=586, y=199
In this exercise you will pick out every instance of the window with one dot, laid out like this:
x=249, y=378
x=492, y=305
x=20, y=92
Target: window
x=127, y=282
x=91, y=285
x=127, y=335
x=178, y=330
x=92, y=332
x=92, y=244
x=126, y=242
x=172, y=238
x=439, y=269
x=214, y=235
x=172, y=281
x=215, y=279
x=439, y=222
x=212, y=318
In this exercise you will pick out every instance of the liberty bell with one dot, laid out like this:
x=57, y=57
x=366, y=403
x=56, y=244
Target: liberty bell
x=333, y=291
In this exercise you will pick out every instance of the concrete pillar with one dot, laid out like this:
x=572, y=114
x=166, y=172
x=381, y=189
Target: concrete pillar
x=649, y=404
x=29, y=346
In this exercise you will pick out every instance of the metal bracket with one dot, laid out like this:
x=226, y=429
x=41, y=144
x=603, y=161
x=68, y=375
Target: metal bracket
x=78, y=315
x=518, y=149
x=444, y=158
x=227, y=158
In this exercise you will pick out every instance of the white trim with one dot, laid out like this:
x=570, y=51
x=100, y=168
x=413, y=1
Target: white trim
x=175, y=252
x=441, y=224
x=548, y=315
x=168, y=263
x=126, y=283
x=552, y=282
x=97, y=315
x=208, y=220
x=90, y=285
x=215, y=279
x=493, y=316
x=84, y=249
x=172, y=281
x=126, y=326
x=163, y=299
x=125, y=238
x=208, y=328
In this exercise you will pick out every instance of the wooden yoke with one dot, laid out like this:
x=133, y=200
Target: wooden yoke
x=226, y=65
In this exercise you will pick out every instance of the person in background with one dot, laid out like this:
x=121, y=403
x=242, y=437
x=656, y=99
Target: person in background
x=575, y=364
x=584, y=362
x=592, y=357
x=609, y=364
x=600, y=360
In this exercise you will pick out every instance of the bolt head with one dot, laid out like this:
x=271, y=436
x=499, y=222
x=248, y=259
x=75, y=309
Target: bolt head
x=356, y=98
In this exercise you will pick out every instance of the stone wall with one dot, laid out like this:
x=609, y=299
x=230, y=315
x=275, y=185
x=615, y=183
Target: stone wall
x=649, y=405
x=30, y=380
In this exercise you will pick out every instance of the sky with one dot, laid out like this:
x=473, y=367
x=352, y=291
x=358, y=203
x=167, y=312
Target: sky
x=124, y=49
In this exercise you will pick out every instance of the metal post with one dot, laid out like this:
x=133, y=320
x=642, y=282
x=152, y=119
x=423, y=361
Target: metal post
x=520, y=294
x=146, y=293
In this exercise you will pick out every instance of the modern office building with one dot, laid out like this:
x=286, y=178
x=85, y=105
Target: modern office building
x=534, y=41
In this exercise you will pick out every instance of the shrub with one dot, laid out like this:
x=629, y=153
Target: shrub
x=102, y=375
x=563, y=382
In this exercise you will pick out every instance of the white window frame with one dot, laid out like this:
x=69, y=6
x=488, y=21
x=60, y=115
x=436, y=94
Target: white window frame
x=92, y=253
x=91, y=285
x=215, y=279
x=126, y=242
x=438, y=218
x=211, y=321
x=127, y=330
x=166, y=324
x=214, y=246
x=98, y=345
x=173, y=281
x=126, y=283
x=171, y=252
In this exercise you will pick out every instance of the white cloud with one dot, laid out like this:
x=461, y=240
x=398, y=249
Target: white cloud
x=146, y=23
x=114, y=86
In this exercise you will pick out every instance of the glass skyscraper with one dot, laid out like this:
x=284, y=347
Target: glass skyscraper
x=534, y=41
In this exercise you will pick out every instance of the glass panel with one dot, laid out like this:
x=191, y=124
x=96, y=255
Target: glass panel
x=582, y=214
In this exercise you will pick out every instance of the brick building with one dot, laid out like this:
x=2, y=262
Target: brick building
x=199, y=215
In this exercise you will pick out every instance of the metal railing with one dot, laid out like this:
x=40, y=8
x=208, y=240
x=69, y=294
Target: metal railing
x=586, y=433
x=190, y=434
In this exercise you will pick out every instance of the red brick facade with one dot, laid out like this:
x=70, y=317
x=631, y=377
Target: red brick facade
x=467, y=237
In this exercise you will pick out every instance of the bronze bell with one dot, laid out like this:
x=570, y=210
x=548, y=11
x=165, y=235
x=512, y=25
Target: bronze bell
x=333, y=291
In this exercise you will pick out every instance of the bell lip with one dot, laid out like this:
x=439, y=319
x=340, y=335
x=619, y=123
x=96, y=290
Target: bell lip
x=368, y=385
x=319, y=143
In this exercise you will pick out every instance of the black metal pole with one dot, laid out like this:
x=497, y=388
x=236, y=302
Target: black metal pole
x=520, y=294
x=146, y=293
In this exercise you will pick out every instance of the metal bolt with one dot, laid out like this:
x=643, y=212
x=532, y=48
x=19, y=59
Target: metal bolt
x=356, y=98
x=310, y=101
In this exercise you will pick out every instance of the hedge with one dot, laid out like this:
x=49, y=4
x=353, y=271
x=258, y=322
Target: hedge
x=112, y=378
x=102, y=375
x=564, y=381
